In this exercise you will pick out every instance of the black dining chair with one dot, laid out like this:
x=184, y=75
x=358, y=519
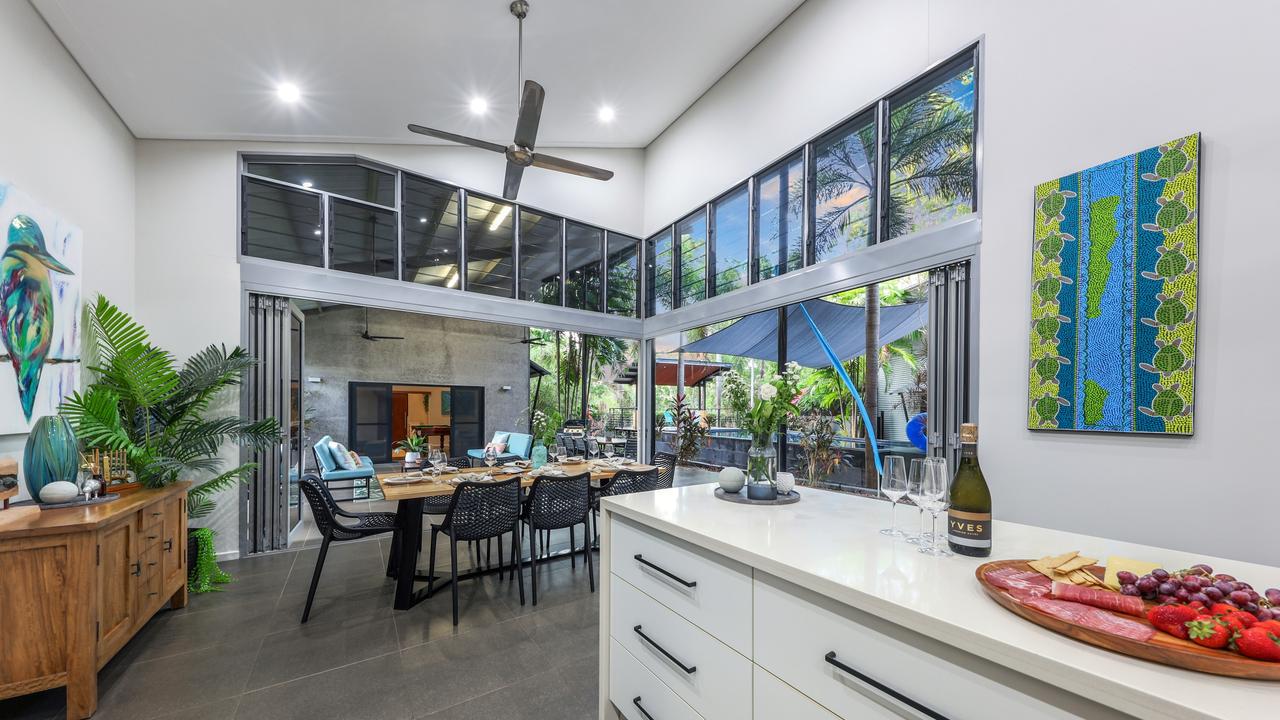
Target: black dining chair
x=623, y=482
x=327, y=513
x=478, y=511
x=556, y=503
x=666, y=463
x=464, y=462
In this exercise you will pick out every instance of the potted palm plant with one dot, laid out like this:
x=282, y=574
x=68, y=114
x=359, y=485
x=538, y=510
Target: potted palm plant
x=162, y=415
x=413, y=446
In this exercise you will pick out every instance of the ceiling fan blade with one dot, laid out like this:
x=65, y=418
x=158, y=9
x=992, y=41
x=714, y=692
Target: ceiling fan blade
x=530, y=114
x=460, y=139
x=511, y=185
x=386, y=337
x=551, y=162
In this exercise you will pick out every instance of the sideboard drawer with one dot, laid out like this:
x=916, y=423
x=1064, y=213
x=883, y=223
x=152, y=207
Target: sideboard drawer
x=710, y=591
x=776, y=699
x=703, y=671
x=639, y=694
x=856, y=665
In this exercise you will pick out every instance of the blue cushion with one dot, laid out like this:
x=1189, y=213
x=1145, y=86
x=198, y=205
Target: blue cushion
x=499, y=437
x=324, y=456
x=520, y=444
x=364, y=471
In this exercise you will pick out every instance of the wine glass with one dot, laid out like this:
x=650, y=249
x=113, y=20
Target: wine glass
x=915, y=481
x=593, y=448
x=936, y=493
x=894, y=485
x=490, y=456
x=437, y=460
x=608, y=450
x=561, y=453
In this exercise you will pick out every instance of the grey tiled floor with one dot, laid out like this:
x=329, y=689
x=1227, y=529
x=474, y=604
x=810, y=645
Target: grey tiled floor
x=241, y=653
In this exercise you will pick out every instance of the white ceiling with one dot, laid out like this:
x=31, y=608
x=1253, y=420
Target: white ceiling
x=207, y=69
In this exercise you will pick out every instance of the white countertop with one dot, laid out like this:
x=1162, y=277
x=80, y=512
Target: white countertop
x=830, y=543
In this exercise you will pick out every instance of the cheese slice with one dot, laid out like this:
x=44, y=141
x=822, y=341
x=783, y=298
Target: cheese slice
x=1115, y=564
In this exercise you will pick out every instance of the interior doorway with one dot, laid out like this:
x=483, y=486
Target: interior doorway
x=450, y=417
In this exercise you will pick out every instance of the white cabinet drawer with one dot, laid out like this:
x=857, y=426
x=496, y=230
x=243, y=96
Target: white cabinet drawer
x=703, y=671
x=639, y=694
x=710, y=591
x=797, y=632
x=776, y=699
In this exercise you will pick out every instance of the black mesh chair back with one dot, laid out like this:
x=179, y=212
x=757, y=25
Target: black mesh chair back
x=481, y=510
x=625, y=482
x=461, y=462
x=579, y=445
x=666, y=463
x=325, y=510
x=632, y=448
x=556, y=503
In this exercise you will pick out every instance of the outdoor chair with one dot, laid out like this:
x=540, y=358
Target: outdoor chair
x=478, y=511
x=555, y=504
x=326, y=512
x=666, y=463
x=331, y=472
x=623, y=482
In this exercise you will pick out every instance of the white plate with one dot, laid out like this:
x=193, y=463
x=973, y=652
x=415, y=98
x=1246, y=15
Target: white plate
x=402, y=481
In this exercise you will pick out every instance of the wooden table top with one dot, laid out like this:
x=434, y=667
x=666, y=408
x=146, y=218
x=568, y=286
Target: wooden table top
x=30, y=520
x=439, y=485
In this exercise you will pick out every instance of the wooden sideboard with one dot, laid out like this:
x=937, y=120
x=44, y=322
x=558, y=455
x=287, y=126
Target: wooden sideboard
x=77, y=583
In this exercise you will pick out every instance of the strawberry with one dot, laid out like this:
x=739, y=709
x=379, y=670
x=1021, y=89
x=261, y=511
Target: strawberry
x=1232, y=621
x=1209, y=632
x=1247, y=619
x=1172, y=619
x=1270, y=625
x=1259, y=644
x=1222, y=609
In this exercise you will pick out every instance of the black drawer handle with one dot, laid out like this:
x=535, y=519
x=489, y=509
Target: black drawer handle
x=688, y=670
x=137, y=568
x=168, y=545
x=152, y=537
x=645, y=713
x=640, y=559
x=831, y=658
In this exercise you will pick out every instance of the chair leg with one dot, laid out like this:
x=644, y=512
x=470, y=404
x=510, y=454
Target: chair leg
x=315, y=578
x=431, y=568
x=573, y=549
x=518, y=559
x=533, y=561
x=501, y=567
x=453, y=573
x=586, y=552
x=488, y=553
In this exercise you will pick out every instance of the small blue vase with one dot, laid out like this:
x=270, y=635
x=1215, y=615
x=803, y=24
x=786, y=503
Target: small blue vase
x=539, y=456
x=51, y=454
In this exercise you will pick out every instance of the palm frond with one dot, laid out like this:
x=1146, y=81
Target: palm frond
x=95, y=415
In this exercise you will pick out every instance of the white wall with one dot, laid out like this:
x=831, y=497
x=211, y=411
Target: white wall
x=62, y=144
x=188, y=289
x=1062, y=89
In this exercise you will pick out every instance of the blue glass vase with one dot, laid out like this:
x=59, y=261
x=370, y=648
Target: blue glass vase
x=51, y=454
x=539, y=455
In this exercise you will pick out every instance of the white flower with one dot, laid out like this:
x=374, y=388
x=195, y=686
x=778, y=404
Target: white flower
x=768, y=392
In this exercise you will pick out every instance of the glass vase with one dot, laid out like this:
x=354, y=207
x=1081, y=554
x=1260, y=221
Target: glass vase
x=762, y=468
x=539, y=455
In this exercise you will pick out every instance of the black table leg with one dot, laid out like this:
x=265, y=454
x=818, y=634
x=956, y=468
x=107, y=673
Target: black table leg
x=409, y=517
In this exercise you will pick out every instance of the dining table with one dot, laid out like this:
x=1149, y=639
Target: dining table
x=410, y=489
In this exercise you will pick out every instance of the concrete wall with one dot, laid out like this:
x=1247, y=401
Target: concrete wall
x=435, y=350
x=1062, y=89
x=63, y=145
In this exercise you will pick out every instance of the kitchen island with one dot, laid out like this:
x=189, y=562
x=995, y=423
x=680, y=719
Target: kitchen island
x=712, y=609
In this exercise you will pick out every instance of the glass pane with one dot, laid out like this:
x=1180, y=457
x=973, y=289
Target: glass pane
x=353, y=181
x=490, y=238
x=780, y=219
x=363, y=239
x=844, y=204
x=583, y=246
x=282, y=224
x=430, y=217
x=624, y=272
x=931, y=152
x=539, y=258
x=661, y=256
x=731, y=247
x=692, y=232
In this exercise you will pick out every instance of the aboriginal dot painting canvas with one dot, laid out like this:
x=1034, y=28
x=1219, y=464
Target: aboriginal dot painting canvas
x=1113, y=295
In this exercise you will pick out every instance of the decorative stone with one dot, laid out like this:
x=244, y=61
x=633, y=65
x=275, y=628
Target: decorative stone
x=785, y=482
x=58, y=491
x=732, y=479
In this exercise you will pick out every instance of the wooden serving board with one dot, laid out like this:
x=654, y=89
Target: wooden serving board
x=1162, y=648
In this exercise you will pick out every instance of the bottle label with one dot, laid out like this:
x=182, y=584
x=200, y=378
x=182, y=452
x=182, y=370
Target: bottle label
x=969, y=528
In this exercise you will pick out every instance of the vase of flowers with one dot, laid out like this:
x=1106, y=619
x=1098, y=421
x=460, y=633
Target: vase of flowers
x=761, y=415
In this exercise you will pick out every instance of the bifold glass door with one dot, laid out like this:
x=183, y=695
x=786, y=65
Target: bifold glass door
x=369, y=420
x=467, y=415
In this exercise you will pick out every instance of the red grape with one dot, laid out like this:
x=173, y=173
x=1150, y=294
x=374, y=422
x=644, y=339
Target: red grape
x=1160, y=574
x=1239, y=597
x=1213, y=593
x=1126, y=578
x=1273, y=595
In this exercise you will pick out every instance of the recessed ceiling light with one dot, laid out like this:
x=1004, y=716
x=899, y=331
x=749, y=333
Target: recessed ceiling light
x=317, y=232
x=606, y=114
x=479, y=106
x=288, y=92
x=306, y=183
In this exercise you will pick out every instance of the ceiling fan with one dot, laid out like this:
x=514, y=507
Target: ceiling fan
x=519, y=153
x=375, y=338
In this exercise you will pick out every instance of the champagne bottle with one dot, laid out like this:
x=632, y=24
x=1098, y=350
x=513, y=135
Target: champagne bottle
x=969, y=518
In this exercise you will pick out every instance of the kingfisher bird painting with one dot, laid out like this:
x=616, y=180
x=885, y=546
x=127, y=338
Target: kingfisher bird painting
x=39, y=310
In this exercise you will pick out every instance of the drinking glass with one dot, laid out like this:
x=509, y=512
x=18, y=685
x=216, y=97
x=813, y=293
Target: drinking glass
x=561, y=453
x=608, y=450
x=894, y=485
x=490, y=456
x=437, y=460
x=593, y=448
x=936, y=493
x=915, y=480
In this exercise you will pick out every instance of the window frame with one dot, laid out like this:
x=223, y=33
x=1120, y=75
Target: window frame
x=459, y=197
x=713, y=237
x=514, y=250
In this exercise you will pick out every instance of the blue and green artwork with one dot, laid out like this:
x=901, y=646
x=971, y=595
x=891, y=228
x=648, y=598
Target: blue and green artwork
x=1113, y=295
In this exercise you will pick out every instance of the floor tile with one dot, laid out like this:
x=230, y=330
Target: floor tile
x=381, y=688
x=318, y=646
x=172, y=633
x=540, y=697
x=157, y=687
x=565, y=632
x=460, y=668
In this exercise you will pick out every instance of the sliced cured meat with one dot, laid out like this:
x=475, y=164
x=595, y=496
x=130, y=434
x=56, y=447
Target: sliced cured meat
x=1021, y=584
x=1092, y=617
x=1105, y=599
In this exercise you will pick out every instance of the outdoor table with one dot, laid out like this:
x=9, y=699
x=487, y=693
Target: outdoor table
x=409, y=498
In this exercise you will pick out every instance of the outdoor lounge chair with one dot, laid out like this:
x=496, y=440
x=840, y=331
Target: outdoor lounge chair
x=331, y=472
x=519, y=446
